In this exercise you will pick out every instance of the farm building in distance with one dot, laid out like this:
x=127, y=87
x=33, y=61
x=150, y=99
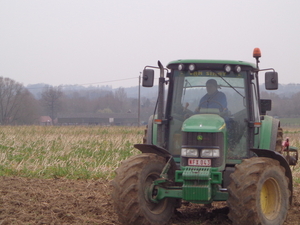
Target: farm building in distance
x=119, y=119
x=45, y=121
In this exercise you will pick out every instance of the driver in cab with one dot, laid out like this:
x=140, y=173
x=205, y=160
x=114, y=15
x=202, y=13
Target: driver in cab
x=213, y=98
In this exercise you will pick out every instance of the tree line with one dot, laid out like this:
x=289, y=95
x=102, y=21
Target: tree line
x=18, y=106
x=283, y=106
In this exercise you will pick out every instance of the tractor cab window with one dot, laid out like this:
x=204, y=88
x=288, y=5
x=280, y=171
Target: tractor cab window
x=210, y=92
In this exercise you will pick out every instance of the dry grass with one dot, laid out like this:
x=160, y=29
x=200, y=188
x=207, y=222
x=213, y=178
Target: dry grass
x=72, y=152
x=76, y=151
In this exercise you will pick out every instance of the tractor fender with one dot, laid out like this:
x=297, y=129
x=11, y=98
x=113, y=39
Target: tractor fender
x=268, y=133
x=275, y=125
x=151, y=131
x=283, y=163
x=147, y=148
x=149, y=134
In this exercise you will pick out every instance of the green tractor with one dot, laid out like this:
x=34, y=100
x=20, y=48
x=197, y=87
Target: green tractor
x=192, y=152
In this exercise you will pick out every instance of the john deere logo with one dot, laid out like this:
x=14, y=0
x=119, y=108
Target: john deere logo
x=199, y=137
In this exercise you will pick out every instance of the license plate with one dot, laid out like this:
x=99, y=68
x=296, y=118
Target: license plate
x=199, y=162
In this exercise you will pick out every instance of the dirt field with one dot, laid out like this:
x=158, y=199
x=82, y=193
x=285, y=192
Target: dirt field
x=61, y=201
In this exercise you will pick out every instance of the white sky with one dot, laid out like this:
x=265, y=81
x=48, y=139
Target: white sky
x=87, y=41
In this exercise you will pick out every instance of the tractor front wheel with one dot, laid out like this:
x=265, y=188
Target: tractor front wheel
x=131, y=188
x=258, y=193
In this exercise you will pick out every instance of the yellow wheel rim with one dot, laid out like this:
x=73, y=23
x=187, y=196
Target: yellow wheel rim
x=270, y=199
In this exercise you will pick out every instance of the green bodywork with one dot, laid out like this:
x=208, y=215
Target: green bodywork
x=204, y=123
x=199, y=185
x=265, y=136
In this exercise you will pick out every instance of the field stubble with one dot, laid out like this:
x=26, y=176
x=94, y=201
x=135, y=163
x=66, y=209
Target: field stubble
x=36, y=162
x=70, y=152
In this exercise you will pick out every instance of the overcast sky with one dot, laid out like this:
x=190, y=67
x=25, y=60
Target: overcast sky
x=109, y=42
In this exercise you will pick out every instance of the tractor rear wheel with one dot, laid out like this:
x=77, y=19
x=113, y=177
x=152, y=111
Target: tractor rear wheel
x=131, y=191
x=258, y=193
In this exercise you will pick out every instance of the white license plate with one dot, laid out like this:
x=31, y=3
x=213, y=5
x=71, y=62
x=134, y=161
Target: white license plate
x=199, y=162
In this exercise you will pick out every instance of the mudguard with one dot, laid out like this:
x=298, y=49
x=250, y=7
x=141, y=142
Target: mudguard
x=147, y=148
x=268, y=133
x=282, y=161
x=151, y=137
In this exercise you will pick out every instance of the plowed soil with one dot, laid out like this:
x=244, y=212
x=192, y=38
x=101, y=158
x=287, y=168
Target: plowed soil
x=62, y=201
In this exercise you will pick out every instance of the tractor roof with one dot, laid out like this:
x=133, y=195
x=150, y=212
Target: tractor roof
x=208, y=61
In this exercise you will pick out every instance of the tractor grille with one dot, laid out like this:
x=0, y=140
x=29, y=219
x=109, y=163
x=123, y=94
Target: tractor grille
x=208, y=139
x=201, y=140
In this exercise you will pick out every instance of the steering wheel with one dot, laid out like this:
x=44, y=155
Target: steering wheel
x=221, y=108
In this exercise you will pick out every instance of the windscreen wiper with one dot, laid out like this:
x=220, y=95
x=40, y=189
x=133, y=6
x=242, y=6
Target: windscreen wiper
x=228, y=83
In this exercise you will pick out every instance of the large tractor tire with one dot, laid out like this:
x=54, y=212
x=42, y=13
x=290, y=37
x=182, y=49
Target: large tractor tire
x=131, y=191
x=258, y=193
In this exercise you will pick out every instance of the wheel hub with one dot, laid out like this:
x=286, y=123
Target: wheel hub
x=270, y=198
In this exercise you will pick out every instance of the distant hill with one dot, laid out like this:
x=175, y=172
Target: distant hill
x=284, y=90
x=132, y=92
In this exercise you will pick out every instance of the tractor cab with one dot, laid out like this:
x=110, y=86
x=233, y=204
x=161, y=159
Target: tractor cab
x=211, y=129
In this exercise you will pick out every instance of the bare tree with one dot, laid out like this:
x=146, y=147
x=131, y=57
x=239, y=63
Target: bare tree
x=121, y=99
x=51, y=100
x=14, y=101
x=294, y=103
x=29, y=110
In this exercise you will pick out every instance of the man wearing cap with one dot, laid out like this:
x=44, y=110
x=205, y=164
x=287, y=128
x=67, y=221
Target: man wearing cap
x=213, y=97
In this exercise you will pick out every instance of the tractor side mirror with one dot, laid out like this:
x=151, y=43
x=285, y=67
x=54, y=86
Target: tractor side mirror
x=265, y=105
x=148, y=78
x=271, y=80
